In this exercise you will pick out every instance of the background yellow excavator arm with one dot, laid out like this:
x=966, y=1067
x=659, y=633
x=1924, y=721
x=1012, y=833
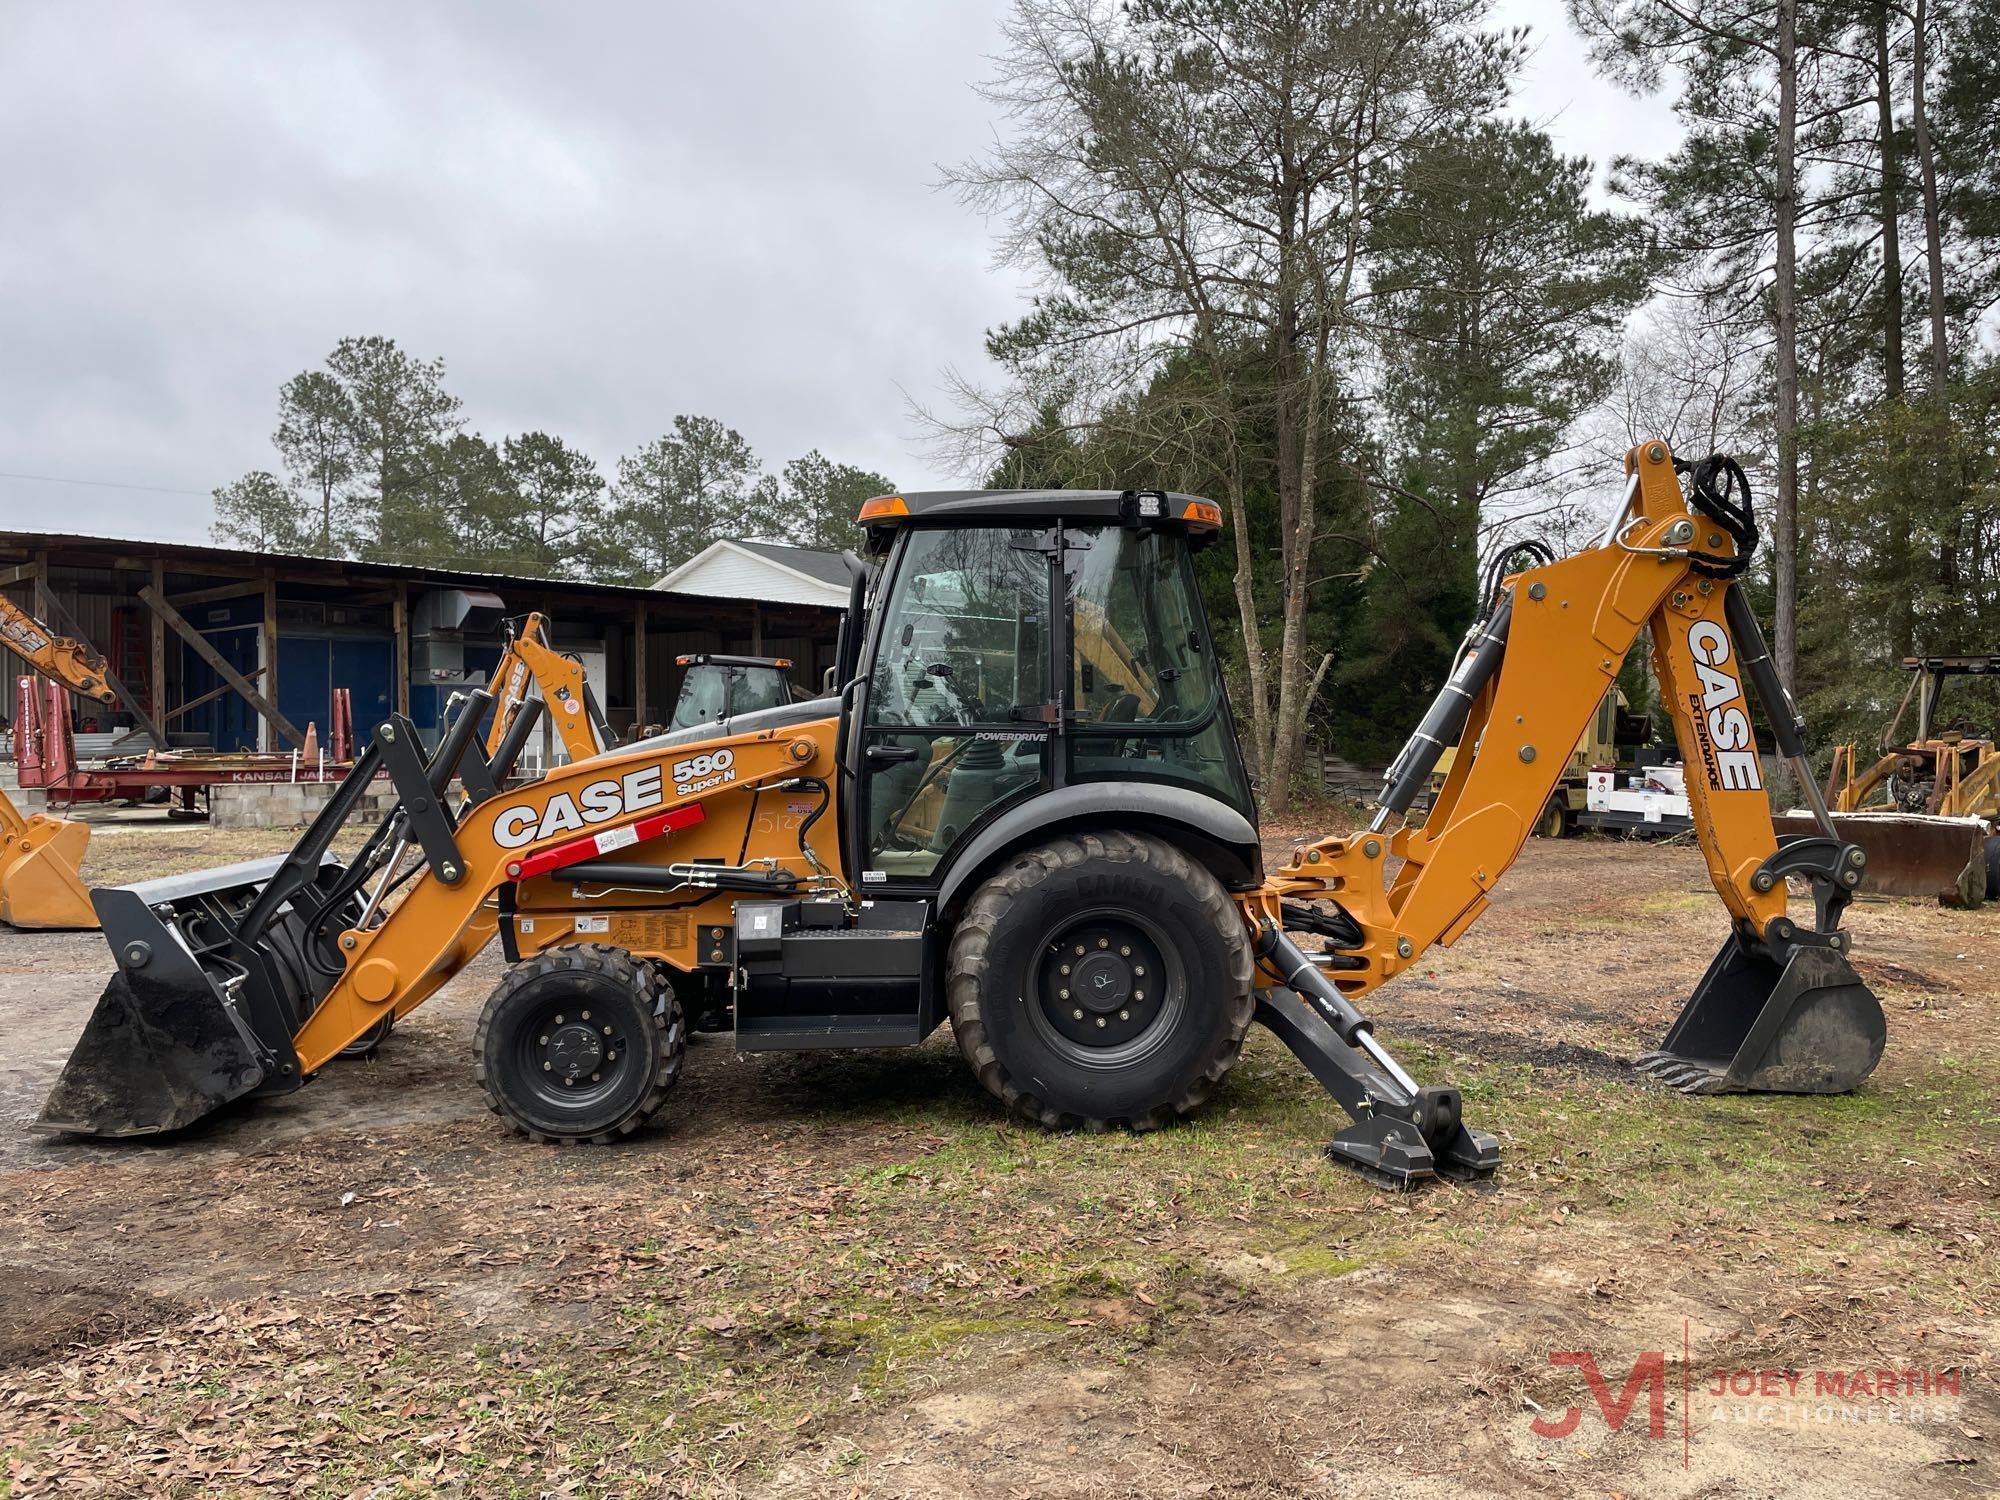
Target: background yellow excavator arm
x=64, y=658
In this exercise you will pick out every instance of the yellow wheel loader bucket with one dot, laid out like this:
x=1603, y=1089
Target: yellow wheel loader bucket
x=39, y=859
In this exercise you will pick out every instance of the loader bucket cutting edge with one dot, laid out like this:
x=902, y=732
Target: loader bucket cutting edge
x=1811, y=1026
x=178, y=1033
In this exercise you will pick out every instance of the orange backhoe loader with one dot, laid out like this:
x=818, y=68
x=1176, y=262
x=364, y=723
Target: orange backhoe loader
x=41, y=854
x=1025, y=811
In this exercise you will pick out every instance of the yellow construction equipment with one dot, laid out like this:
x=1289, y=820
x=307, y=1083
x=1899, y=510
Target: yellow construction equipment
x=1025, y=811
x=41, y=855
x=1926, y=809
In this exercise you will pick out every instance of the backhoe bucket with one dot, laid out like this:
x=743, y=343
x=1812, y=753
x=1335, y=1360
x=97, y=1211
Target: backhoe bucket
x=39, y=884
x=194, y=1017
x=1912, y=854
x=1809, y=1027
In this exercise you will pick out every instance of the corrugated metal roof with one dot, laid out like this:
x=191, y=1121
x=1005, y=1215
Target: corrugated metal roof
x=193, y=553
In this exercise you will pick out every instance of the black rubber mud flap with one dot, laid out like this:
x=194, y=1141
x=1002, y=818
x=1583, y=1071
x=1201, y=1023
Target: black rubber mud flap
x=163, y=1048
x=1811, y=1026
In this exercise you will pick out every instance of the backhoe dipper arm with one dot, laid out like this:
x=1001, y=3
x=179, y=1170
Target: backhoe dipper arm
x=64, y=658
x=1531, y=675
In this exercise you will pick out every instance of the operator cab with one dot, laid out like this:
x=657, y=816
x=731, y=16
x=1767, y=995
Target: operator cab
x=1020, y=642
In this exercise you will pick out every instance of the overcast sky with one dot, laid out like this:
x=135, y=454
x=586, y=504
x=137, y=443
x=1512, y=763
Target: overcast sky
x=599, y=215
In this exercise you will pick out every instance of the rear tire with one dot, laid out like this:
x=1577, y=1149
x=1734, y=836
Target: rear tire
x=579, y=1044
x=1099, y=980
x=1993, y=867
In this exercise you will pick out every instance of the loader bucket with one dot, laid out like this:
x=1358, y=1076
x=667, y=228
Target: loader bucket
x=195, y=1016
x=1810, y=1026
x=39, y=884
x=1911, y=854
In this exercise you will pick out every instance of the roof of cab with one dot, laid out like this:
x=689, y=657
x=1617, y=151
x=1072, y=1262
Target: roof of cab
x=1003, y=505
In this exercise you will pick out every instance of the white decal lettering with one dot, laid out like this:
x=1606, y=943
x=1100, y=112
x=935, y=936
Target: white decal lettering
x=1709, y=642
x=1739, y=770
x=514, y=827
x=600, y=801
x=561, y=817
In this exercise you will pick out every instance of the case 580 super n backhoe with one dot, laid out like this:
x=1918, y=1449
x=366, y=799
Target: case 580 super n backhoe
x=1025, y=811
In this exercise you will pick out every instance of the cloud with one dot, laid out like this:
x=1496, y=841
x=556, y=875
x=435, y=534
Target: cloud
x=600, y=216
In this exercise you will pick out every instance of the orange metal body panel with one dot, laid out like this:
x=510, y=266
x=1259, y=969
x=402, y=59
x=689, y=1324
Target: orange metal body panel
x=437, y=928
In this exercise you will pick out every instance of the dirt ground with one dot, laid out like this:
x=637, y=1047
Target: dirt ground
x=847, y=1275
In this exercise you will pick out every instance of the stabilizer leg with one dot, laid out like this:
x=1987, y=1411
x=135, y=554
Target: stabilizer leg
x=1403, y=1132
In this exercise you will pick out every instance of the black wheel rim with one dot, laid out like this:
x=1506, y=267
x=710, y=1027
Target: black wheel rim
x=1109, y=988
x=573, y=1057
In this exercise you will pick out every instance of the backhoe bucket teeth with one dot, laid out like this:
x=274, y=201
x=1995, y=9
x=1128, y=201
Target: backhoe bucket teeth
x=39, y=884
x=193, y=1018
x=1809, y=1027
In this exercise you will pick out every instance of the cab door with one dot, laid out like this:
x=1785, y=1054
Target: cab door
x=954, y=716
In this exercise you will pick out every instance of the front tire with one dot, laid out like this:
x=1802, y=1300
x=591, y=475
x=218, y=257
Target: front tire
x=1099, y=980
x=579, y=1044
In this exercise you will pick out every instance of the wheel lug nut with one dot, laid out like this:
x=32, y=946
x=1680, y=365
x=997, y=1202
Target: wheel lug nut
x=1104, y=942
x=558, y=1020
x=1079, y=950
x=548, y=1067
x=593, y=1077
x=1100, y=1021
x=1062, y=994
x=1065, y=968
x=586, y=1015
x=1076, y=1015
x=1138, y=994
x=545, y=1041
x=1124, y=1015
x=607, y=1031
x=1139, y=971
x=1125, y=951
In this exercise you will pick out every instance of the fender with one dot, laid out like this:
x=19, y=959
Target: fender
x=1212, y=831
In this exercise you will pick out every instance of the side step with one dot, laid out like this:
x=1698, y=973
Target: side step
x=808, y=1033
x=806, y=982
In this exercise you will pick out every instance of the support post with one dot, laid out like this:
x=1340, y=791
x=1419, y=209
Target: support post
x=638, y=665
x=756, y=628
x=156, y=675
x=401, y=614
x=223, y=669
x=269, y=641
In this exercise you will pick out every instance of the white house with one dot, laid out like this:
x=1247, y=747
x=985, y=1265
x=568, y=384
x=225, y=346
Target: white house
x=766, y=571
